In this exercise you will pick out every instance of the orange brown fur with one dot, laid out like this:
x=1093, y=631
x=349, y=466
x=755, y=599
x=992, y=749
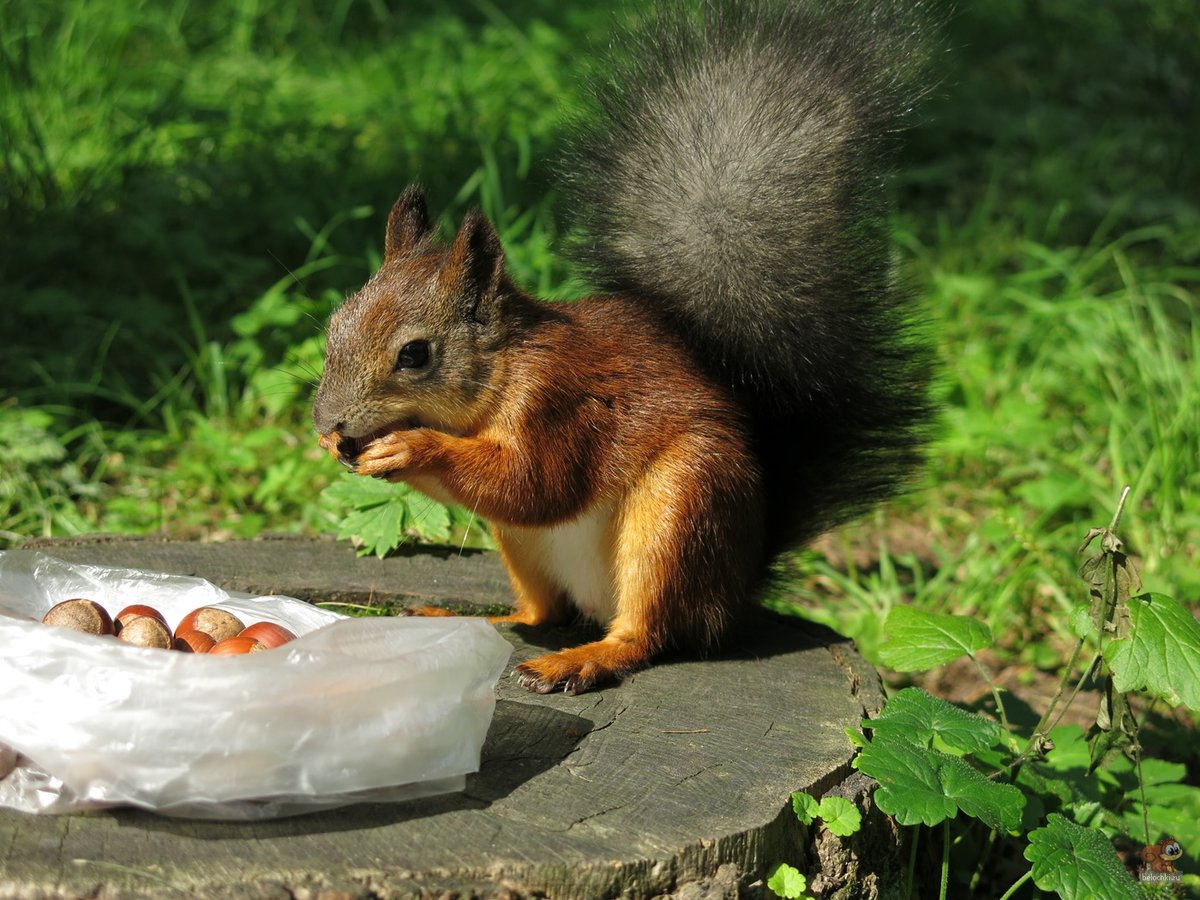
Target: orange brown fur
x=580, y=409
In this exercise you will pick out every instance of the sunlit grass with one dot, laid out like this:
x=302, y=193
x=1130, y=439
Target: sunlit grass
x=187, y=190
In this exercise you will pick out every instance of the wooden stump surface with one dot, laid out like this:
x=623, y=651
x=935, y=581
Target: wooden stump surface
x=677, y=781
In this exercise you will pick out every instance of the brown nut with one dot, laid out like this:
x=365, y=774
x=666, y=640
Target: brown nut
x=146, y=631
x=137, y=609
x=216, y=623
x=79, y=614
x=194, y=642
x=236, y=646
x=268, y=634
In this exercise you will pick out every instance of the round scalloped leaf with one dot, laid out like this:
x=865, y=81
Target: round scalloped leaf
x=805, y=807
x=787, y=882
x=917, y=716
x=919, y=785
x=840, y=816
x=1077, y=862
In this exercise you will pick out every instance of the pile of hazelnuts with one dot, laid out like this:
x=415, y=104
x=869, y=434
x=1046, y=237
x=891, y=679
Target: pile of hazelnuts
x=209, y=629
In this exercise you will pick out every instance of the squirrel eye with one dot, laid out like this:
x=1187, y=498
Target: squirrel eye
x=413, y=355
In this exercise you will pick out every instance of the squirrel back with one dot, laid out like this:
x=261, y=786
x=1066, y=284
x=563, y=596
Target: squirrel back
x=732, y=173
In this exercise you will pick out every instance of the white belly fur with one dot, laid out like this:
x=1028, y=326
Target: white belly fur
x=577, y=556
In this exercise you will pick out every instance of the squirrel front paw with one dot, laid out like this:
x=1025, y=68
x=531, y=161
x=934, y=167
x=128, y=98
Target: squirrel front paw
x=343, y=449
x=392, y=455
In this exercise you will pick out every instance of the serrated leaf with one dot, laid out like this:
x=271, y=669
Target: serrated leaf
x=918, y=716
x=917, y=784
x=787, y=882
x=997, y=805
x=1161, y=655
x=840, y=816
x=380, y=528
x=357, y=492
x=919, y=640
x=430, y=519
x=805, y=807
x=1077, y=862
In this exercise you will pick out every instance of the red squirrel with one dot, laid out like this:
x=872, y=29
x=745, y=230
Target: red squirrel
x=748, y=378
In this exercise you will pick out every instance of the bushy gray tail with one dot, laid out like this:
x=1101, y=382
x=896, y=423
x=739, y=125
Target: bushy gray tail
x=732, y=173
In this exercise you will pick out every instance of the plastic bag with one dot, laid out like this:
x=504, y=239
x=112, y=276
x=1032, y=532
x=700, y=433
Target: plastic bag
x=353, y=710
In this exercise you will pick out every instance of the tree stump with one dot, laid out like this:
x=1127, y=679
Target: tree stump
x=675, y=782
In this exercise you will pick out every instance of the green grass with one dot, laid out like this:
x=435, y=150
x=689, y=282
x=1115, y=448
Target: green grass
x=187, y=189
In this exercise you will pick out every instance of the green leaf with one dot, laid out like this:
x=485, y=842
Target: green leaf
x=917, y=784
x=1172, y=809
x=1077, y=862
x=1161, y=656
x=857, y=739
x=1081, y=621
x=917, y=716
x=805, y=807
x=840, y=816
x=787, y=882
x=357, y=492
x=430, y=519
x=380, y=528
x=920, y=640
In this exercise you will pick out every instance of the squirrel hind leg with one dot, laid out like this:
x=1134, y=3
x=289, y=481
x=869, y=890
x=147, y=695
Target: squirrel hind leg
x=685, y=561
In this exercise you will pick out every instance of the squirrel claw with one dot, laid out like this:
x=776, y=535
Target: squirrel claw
x=532, y=681
x=581, y=669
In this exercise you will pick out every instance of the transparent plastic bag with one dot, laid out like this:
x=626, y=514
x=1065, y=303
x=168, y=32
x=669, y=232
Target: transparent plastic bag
x=353, y=710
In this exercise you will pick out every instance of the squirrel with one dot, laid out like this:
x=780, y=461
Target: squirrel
x=748, y=378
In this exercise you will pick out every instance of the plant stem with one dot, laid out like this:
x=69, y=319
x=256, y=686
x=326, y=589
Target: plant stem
x=1137, y=758
x=1017, y=884
x=994, y=689
x=1043, y=726
x=912, y=861
x=988, y=846
x=1075, y=691
x=1039, y=732
x=1116, y=519
x=945, y=858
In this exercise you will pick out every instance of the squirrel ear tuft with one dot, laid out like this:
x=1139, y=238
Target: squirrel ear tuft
x=408, y=222
x=475, y=266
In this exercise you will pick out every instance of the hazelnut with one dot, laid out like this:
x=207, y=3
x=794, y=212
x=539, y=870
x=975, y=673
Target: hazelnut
x=79, y=614
x=216, y=623
x=145, y=631
x=268, y=634
x=194, y=642
x=133, y=611
x=235, y=646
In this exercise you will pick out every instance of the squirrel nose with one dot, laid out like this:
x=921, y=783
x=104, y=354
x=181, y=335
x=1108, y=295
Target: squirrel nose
x=324, y=422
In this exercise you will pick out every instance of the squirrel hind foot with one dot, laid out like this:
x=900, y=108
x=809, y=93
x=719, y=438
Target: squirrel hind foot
x=580, y=669
x=429, y=611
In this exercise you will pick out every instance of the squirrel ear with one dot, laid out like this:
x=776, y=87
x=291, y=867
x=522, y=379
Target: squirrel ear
x=474, y=267
x=407, y=223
